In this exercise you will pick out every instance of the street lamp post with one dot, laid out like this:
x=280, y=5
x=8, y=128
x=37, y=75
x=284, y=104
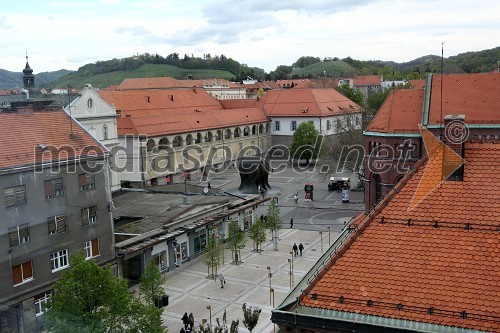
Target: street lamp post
x=293, y=282
x=270, y=289
x=290, y=271
x=321, y=237
x=210, y=315
x=329, y=236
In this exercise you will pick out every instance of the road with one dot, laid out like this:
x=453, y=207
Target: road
x=326, y=210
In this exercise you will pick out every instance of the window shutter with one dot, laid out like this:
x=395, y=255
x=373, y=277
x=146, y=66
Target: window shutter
x=20, y=196
x=61, y=223
x=95, y=247
x=17, y=275
x=27, y=270
x=13, y=237
x=93, y=211
x=82, y=179
x=51, y=223
x=49, y=188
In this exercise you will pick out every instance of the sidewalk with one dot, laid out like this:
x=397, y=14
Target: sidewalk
x=190, y=290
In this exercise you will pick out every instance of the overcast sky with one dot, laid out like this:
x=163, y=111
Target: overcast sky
x=260, y=33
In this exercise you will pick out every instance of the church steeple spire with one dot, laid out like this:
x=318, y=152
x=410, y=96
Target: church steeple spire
x=28, y=77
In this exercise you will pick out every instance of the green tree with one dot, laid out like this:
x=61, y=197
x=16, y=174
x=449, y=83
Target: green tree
x=251, y=316
x=257, y=233
x=274, y=222
x=260, y=93
x=91, y=299
x=306, y=142
x=213, y=253
x=235, y=240
x=152, y=283
x=353, y=94
x=376, y=100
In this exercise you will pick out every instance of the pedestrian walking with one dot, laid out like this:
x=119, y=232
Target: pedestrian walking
x=182, y=330
x=222, y=280
x=301, y=248
x=296, y=197
x=185, y=320
x=295, y=249
x=291, y=223
x=191, y=321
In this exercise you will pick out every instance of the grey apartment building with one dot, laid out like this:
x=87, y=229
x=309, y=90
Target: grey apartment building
x=54, y=201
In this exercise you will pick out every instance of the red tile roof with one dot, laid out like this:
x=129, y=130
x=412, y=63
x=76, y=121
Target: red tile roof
x=477, y=96
x=400, y=113
x=417, y=84
x=238, y=103
x=209, y=82
x=297, y=83
x=22, y=133
x=367, y=80
x=155, y=125
x=306, y=103
x=438, y=263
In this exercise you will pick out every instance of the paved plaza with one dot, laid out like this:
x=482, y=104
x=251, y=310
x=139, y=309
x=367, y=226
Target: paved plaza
x=190, y=290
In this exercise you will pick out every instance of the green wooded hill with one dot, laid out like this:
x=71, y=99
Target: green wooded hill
x=11, y=80
x=103, y=80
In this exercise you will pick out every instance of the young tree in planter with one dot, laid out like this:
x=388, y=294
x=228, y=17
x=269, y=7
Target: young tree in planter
x=152, y=283
x=213, y=254
x=235, y=240
x=251, y=316
x=91, y=299
x=257, y=233
x=274, y=222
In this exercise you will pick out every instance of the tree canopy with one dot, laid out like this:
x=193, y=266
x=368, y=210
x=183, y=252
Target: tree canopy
x=91, y=299
x=305, y=142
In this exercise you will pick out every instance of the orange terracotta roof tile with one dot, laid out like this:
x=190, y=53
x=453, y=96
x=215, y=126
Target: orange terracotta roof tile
x=474, y=95
x=437, y=263
x=367, y=80
x=417, y=84
x=22, y=133
x=400, y=113
x=306, y=103
x=238, y=103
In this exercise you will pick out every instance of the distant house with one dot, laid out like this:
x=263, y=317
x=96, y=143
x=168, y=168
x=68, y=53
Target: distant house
x=329, y=111
x=366, y=84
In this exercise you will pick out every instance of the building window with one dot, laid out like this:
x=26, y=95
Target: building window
x=90, y=103
x=200, y=240
x=276, y=125
x=15, y=196
x=293, y=125
x=348, y=121
x=89, y=215
x=328, y=125
x=358, y=120
x=56, y=224
x=86, y=181
x=53, y=188
x=22, y=273
x=41, y=301
x=339, y=124
x=104, y=132
x=19, y=234
x=59, y=260
x=91, y=248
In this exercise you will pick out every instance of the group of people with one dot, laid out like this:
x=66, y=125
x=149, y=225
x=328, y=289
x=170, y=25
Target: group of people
x=296, y=249
x=188, y=322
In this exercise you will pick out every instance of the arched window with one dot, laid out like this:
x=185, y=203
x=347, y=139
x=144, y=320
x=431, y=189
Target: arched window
x=150, y=145
x=198, y=138
x=237, y=132
x=104, y=132
x=218, y=135
x=177, y=141
x=268, y=128
x=246, y=131
x=227, y=135
x=90, y=103
x=209, y=136
x=261, y=129
x=254, y=130
x=164, y=143
x=189, y=139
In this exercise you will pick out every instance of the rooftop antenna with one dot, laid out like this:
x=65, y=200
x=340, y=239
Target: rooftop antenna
x=442, y=77
x=70, y=120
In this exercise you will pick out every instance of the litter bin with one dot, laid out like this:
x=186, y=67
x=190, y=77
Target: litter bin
x=164, y=300
x=159, y=303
